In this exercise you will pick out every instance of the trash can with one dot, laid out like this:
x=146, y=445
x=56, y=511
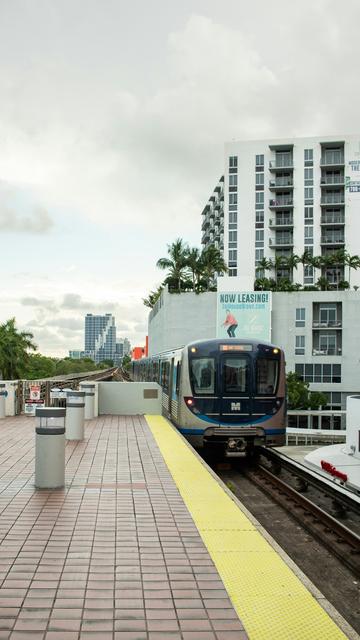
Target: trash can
x=3, y=394
x=50, y=447
x=75, y=415
x=89, y=400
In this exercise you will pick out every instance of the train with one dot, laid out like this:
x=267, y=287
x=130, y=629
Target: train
x=230, y=393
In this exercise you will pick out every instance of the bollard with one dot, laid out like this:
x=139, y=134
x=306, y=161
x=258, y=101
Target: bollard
x=75, y=415
x=3, y=394
x=50, y=447
x=89, y=400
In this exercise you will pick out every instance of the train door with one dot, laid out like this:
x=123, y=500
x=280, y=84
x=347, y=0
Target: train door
x=172, y=383
x=235, y=388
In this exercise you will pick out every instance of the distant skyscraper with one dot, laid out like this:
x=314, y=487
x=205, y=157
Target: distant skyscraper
x=100, y=336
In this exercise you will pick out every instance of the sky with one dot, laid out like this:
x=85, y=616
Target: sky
x=113, y=118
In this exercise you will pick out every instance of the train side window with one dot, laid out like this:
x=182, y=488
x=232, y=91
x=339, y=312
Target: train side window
x=266, y=376
x=165, y=370
x=202, y=374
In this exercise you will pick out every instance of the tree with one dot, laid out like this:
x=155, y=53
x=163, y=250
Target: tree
x=39, y=367
x=353, y=262
x=126, y=361
x=194, y=264
x=14, y=350
x=153, y=297
x=291, y=262
x=211, y=263
x=299, y=396
x=176, y=263
x=264, y=265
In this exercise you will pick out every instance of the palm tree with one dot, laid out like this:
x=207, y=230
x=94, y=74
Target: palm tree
x=277, y=264
x=176, y=262
x=353, y=262
x=14, y=347
x=211, y=263
x=292, y=262
x=194, y=264
x=264, y=264
x=152, y=297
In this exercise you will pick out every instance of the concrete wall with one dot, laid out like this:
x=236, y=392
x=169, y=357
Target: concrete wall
x=129, y=398
x=11, y=386
x=179, y=319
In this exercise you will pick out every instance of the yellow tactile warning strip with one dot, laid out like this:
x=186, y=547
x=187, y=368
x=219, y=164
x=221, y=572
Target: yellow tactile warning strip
x=270, y=600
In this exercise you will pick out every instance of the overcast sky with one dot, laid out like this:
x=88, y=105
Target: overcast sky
x=113, y=117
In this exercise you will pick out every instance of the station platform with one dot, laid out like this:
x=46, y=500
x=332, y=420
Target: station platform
x=143, y=543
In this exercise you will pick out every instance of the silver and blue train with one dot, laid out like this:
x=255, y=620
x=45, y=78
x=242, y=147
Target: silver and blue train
x=225, y=392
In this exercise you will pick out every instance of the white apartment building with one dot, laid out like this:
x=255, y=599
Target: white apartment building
x=284, y=197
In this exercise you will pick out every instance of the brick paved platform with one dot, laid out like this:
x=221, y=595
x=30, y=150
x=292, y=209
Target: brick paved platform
x=114, y=555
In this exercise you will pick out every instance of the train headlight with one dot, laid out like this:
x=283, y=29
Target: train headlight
x=189, y=402
x=193, y=349
x=275, y=350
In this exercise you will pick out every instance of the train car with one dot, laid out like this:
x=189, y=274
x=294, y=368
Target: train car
x=227, y=392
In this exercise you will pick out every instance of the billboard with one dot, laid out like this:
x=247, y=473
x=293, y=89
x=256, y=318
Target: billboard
x=244, y=314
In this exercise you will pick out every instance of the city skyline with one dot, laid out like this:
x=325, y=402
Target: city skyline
x=109, y=152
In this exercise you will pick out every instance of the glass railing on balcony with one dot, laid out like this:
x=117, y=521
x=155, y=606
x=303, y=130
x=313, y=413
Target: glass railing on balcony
x=332, y=157
x=332, y=179
x=317, y=324
x=283, y=162
x=332, y=239
x=333, y=218
x=281, y=222
x=280, y=241
x=281, y=202
x=338, y=198
x=281, y=182
x=330, y=351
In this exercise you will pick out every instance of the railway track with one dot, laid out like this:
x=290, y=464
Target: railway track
x=312, y=512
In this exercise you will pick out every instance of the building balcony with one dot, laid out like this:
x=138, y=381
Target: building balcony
x=281, y=164
x=212, y=214
x=281, y=183
x=274, y=243
x=330, y=324
x=334, y=159
x=281, y=223
x=335, y=240
x=337, y=351
x=338, y=181
x=332, y=218
x=205, y=224
x=281, y=203
x=327, y=200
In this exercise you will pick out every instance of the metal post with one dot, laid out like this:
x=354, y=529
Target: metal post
x=75, y=414
x=50, y=447
x=89, y=399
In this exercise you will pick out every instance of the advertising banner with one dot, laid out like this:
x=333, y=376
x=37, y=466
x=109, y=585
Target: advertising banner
x=244, y=314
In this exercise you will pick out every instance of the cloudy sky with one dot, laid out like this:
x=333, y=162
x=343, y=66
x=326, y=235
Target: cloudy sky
x=113, y=117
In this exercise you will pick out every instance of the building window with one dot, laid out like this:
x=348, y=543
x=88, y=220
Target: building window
x=309, y=177
x=299, y=345
x=308, y=235
x=232, y=236
x=319, y=373
x=309, y=215
x=259, y=179
x=233, y=162
x=259, y=160
x=232, y=255
x=233, y=198
x=232, y=272
x=259, y=200
x=327, y=343
x=259, y=254
x=328, y=314
x=259, y=216
x=334, y=400
x=300, y=317
x=308, y=274
x=309, y=195
x=259, y=238
x=233, y=217
x=233, y=180
x=308, y=157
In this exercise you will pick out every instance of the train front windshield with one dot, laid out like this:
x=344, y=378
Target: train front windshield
x=267, y=376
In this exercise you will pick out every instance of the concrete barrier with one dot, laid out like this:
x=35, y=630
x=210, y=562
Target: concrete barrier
x=129, y=398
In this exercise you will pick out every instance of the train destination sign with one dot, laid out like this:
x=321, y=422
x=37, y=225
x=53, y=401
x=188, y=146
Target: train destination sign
x=244, y=314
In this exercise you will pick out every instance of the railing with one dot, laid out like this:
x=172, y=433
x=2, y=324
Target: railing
x=332, y=180
x=338, y=199
x=333, y=219
x=327, y=324
x=281, y=241
x=332, y=158
x=281, y=202
x=281, y=182
x=283, y=222
x=332, y=351
x=332, y=240
x=281, y=163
